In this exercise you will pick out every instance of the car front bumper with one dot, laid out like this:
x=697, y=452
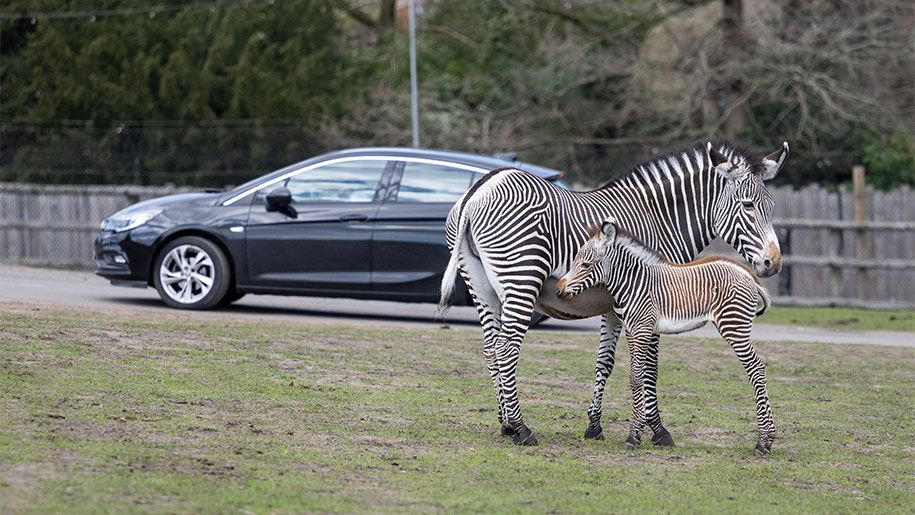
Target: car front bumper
x=123, y=257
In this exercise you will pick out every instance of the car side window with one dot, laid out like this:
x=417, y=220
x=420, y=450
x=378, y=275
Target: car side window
x=349, y=181
x=425, y=182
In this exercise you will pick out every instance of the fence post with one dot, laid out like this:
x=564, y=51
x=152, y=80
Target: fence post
x=862, y=237
x=835, y=271
x=784, y=278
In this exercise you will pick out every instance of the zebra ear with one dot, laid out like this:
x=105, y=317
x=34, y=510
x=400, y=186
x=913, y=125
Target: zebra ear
x=720, y=162
x=773, y=162
x=609, y=230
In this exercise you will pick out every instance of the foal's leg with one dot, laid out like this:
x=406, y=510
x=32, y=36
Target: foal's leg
x=652, y=413
x=639, y=342
x=737, y=333
x=610, y=326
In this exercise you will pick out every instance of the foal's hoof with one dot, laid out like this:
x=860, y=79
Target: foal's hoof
x=524, y=436
x=633, y=441
x=663, y=438
x=507, y=431
x=762, y=450
x=594, y=432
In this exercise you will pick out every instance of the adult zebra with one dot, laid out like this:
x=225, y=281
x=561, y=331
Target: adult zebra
x=512, y=235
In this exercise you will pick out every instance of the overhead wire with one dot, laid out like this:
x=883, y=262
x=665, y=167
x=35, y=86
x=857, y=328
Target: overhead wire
x=150, y=10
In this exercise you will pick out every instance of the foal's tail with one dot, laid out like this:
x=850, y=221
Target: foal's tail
x=451, y=270
x=763, y=300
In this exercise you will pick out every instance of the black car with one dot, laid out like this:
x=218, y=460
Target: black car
x=363, y=223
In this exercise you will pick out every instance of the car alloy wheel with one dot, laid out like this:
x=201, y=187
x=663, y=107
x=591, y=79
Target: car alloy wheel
x=192, y=272
x=187, y=274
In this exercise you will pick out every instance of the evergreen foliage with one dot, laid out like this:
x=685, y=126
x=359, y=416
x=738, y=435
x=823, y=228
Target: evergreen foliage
x=214, y=93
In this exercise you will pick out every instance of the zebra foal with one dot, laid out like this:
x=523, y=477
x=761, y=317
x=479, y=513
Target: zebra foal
x=654, y=296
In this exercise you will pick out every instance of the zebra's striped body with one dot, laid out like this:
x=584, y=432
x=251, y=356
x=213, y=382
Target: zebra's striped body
x=513, y=235
x=654, y=296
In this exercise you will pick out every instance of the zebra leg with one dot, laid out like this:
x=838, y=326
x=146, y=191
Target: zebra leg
x=738, y=336
x=610, y=326
x=490, y=324
x=638, y=345
x=652, y=412
x=516, y=316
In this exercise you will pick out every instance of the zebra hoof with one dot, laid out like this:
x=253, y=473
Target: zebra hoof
x=663, y=438
x=594, y=432
x=762, y=450
x=633, y=442
x=524, y=436
x=507, y=431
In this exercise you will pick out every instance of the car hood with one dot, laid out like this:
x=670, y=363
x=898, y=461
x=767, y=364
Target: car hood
x=179, y=199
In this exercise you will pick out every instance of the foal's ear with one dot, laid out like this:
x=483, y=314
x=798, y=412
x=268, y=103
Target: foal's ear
x=608, y=228
x=773, y=162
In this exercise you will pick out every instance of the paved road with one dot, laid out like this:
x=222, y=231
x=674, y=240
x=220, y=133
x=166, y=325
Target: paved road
x=85, y=290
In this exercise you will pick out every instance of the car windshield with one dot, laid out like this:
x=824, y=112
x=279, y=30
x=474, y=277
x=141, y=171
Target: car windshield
x=234, y=190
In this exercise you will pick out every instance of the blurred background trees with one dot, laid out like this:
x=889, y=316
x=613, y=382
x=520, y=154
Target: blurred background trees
x=215, y=92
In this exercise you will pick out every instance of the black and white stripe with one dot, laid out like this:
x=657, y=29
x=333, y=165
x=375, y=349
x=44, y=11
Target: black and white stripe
x=513, y=234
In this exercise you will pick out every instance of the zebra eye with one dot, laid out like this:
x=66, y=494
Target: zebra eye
x=747, y=204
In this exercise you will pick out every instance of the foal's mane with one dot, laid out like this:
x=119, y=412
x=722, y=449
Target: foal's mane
x=632, y=243
x=628, y=240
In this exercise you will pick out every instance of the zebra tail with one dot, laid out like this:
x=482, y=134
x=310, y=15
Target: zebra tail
x=452, y=269
x=764, y=300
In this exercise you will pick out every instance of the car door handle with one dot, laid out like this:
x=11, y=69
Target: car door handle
x=354, y=218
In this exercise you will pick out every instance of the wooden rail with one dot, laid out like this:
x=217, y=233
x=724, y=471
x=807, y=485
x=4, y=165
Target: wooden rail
x=843, y=225
x=835, y=261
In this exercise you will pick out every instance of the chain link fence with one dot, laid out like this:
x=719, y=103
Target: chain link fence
x=183, y=155
x=58, y=183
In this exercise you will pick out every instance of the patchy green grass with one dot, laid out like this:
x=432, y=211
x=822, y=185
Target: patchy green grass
x=842, y=318
x=155, y=413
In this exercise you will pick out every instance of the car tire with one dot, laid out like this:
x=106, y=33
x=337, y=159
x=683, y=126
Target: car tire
x=191, y=272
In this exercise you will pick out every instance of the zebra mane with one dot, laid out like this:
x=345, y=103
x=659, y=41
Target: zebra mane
x=748, y=152
x=632, y=244
x=727, y=147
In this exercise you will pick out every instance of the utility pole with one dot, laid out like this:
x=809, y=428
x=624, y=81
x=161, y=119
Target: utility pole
x=414, y=100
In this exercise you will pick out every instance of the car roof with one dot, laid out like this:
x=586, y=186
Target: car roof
x=486, y=162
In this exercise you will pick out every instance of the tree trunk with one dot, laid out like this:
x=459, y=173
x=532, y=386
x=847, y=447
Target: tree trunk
x=387, y=15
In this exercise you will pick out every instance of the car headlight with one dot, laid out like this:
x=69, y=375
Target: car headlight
x=127, y=220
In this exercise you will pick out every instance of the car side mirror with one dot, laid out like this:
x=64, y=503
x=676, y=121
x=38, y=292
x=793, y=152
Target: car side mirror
x=280, y=200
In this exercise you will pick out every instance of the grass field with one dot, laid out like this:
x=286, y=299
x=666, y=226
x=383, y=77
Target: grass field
x=842, y=318
x=102, y=414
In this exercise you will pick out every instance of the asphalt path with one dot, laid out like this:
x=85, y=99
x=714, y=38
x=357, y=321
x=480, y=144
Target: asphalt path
x=87, y=291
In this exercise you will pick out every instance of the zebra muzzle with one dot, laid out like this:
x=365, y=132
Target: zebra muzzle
x=561, y=291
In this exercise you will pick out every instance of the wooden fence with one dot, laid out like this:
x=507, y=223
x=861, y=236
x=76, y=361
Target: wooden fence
x=47, y=225
x=829, y=258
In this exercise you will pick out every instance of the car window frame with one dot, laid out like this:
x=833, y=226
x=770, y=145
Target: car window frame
x=380, y=185
x=395, y=178
x=393, y=195
x=394, y=188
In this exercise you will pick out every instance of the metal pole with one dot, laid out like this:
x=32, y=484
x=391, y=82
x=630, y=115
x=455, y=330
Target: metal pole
x=414, y=100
